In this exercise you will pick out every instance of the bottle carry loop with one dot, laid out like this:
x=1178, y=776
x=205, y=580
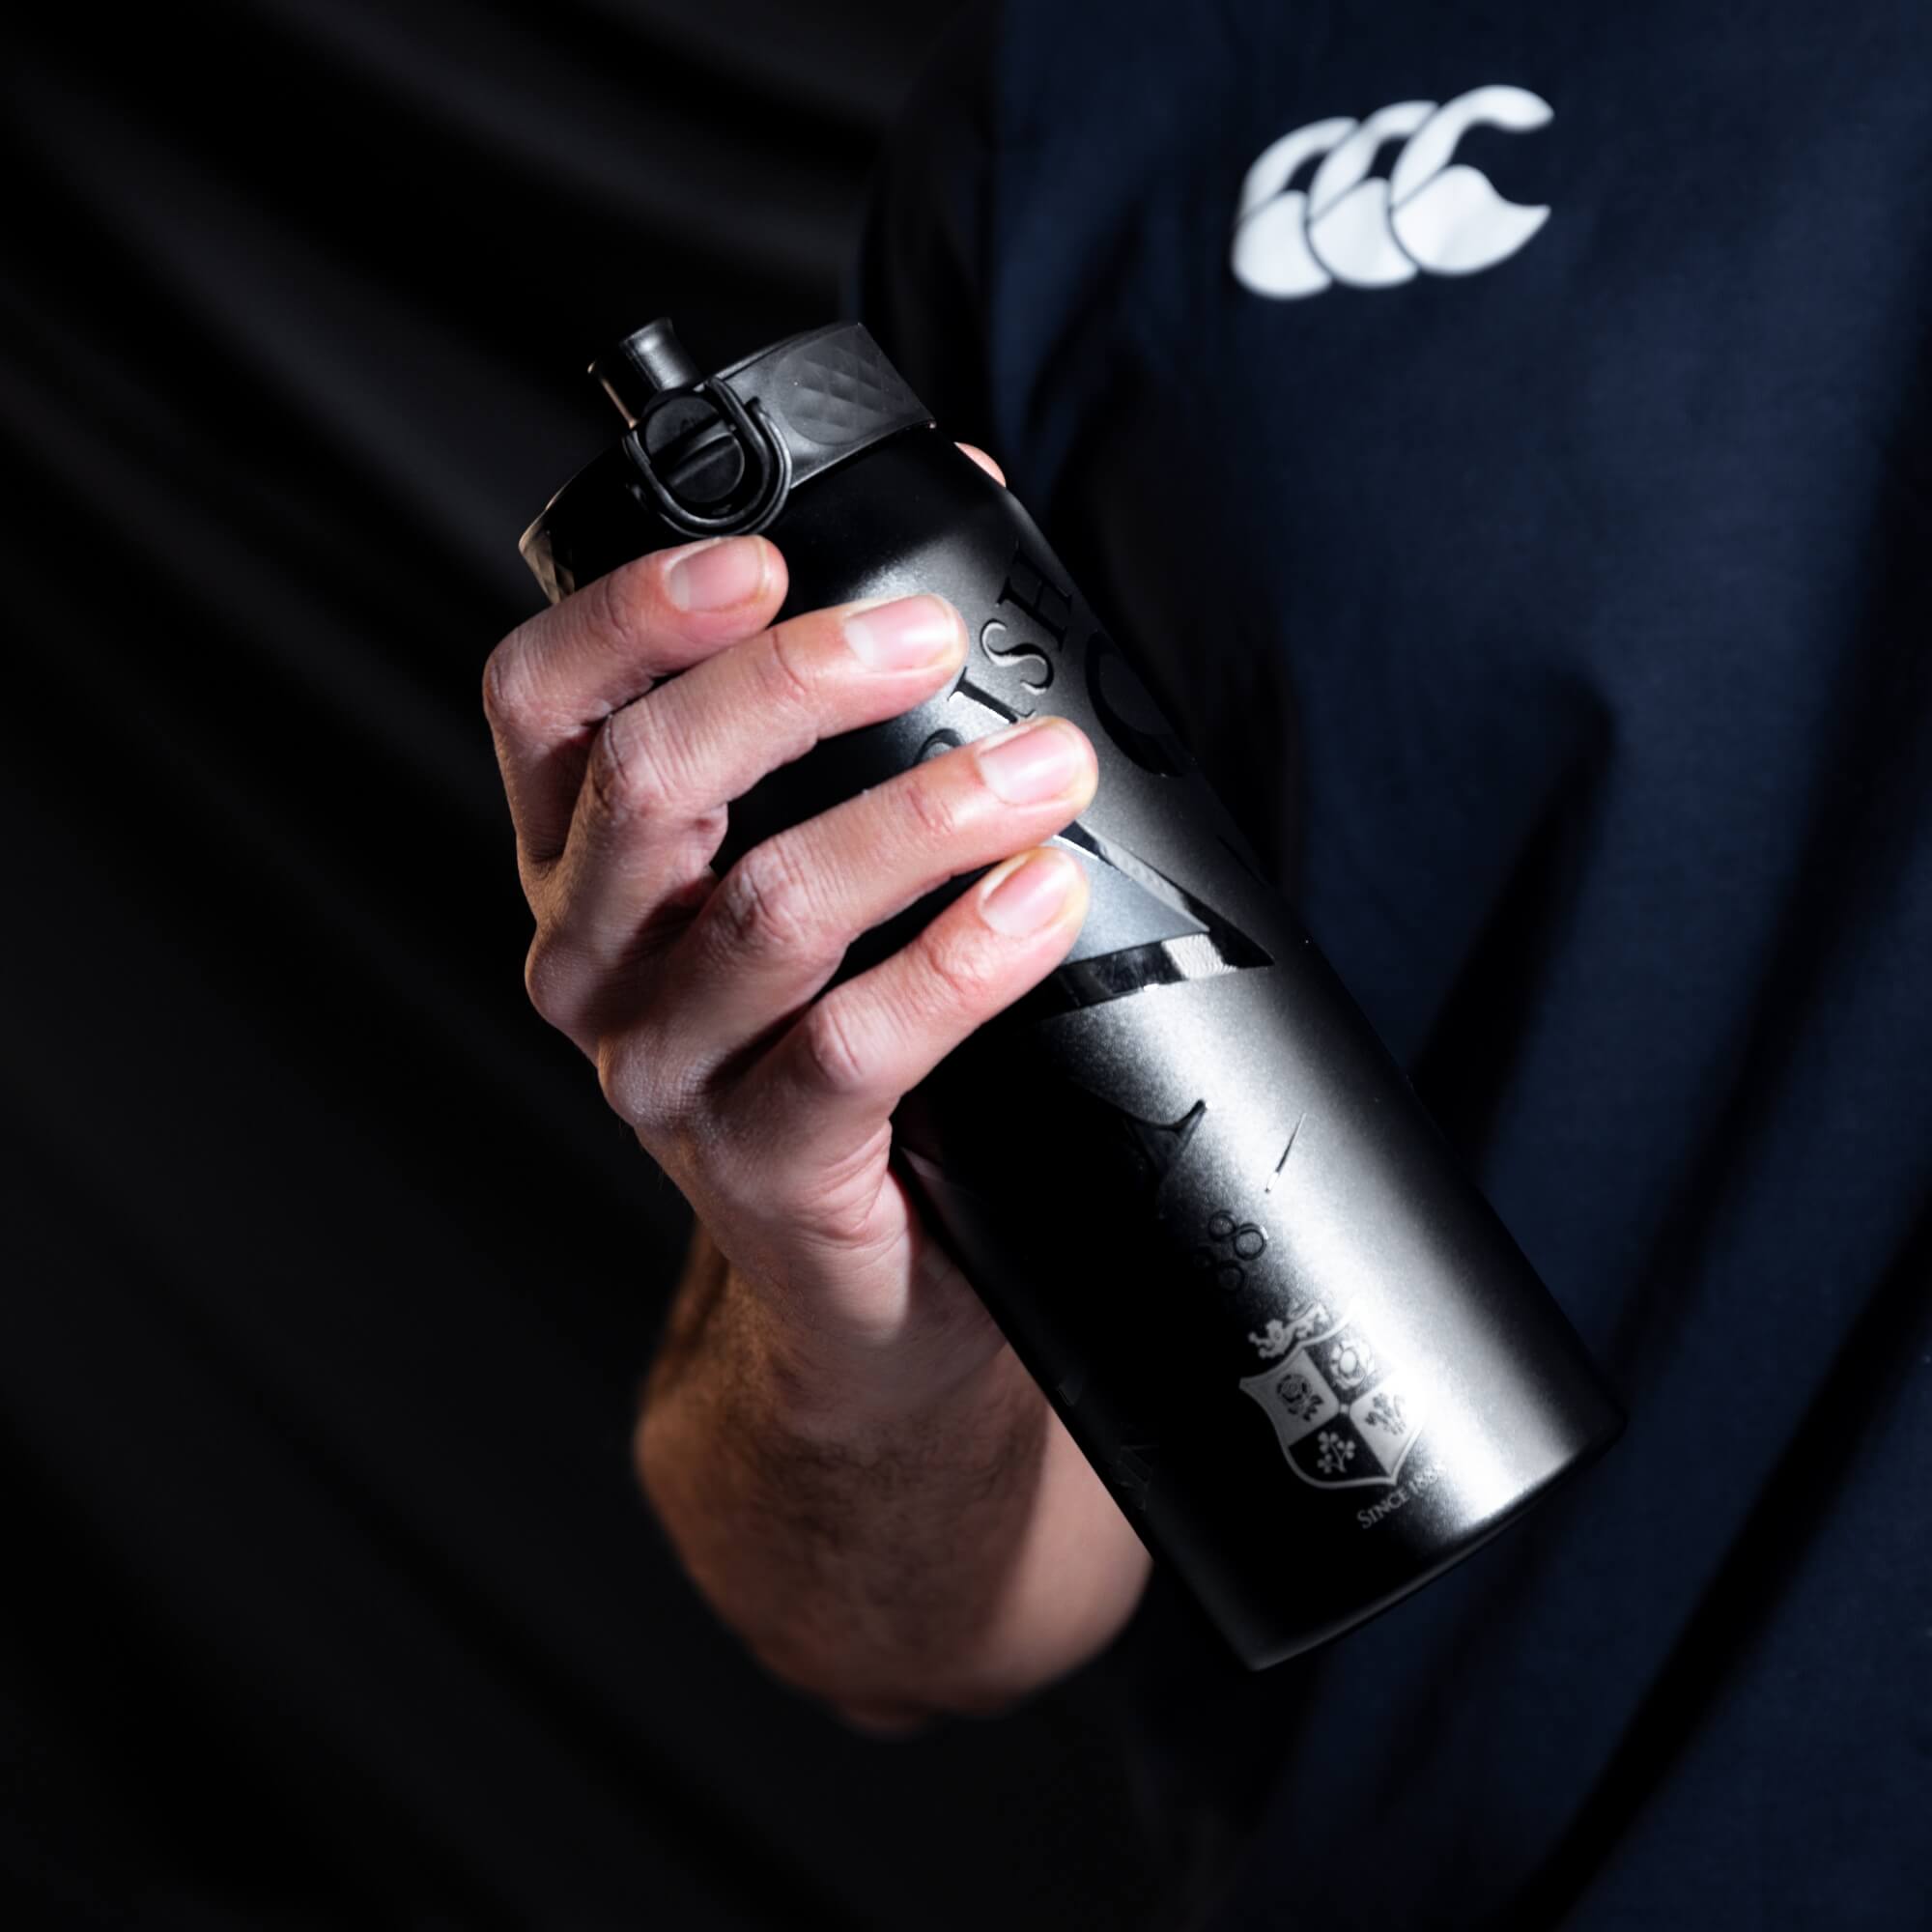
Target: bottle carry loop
x=752, y=440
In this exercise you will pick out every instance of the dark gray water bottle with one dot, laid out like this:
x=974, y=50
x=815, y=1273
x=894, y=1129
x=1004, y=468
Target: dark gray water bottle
x=1196, y=1192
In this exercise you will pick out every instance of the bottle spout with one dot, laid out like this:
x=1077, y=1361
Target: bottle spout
x=647, y=361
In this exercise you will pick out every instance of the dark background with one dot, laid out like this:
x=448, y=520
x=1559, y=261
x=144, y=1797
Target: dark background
x=329, y=1279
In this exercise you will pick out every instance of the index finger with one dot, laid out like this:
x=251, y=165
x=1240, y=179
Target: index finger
x=551, y=684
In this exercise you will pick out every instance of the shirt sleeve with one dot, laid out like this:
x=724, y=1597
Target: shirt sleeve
x=917, y=277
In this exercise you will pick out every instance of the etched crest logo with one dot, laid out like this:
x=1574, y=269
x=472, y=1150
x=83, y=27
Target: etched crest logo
x=1345, y=1417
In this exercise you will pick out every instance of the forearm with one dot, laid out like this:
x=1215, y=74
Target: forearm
x=897, y=1558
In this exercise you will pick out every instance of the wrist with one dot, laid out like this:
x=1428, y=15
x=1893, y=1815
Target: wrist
x=828, y=1387
x=841, y=1383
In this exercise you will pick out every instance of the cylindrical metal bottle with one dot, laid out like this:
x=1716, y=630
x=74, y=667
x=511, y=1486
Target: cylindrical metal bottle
x=1196, y=1192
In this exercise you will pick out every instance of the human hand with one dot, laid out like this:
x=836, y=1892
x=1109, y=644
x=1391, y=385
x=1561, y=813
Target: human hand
x=695, y=996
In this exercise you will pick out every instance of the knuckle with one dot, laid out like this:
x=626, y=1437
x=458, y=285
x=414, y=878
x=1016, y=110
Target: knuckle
x=621, y=1079
x=791, y=685
x=834, y=1061
x=544, y=969
x=642, y=1084
x=631, y=773
x=507, y=697
x=963, y=970
x=611, y=611
x=933, y=803
x=766, y=905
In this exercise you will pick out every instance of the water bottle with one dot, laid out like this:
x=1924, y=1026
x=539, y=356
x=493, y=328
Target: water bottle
x=1206, y=1208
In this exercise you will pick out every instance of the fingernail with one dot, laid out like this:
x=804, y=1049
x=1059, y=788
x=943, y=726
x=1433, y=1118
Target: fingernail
x=1027, y=897
x=714, y=575
x=1036, y=761
x=908, y=631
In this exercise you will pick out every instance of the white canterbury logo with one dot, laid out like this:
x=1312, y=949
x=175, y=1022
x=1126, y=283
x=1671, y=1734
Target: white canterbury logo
x=1373, y=234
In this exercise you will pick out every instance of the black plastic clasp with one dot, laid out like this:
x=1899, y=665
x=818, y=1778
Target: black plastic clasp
x=719, y=450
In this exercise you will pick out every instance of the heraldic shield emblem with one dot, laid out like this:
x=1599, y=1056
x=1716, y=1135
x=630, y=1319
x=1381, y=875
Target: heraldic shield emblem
x=1347, y=1419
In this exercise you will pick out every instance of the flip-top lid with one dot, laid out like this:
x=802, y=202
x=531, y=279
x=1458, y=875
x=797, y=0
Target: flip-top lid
x=714, y=455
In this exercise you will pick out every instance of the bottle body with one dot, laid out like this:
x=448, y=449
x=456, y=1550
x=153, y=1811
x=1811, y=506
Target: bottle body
x=1193, y=1189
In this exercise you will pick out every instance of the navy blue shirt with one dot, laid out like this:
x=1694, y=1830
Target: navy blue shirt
x=1519, y=489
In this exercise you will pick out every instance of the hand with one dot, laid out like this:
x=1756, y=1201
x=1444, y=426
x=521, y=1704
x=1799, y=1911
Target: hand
x=696, y=995
x=766, y=1098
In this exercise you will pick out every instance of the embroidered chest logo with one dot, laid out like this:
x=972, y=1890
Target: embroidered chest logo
x=1432, y=214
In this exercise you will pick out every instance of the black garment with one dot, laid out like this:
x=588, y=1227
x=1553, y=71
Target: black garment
x=1558, y=627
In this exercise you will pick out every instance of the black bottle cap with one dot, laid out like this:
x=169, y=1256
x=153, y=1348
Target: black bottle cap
x=714, y=455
